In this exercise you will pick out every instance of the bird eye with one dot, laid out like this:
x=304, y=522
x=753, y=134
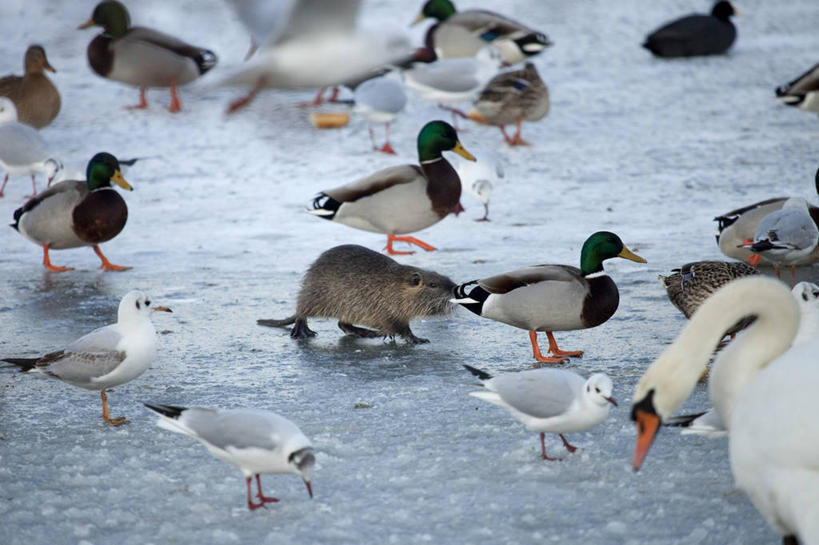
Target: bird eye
x=147, y=303
x=137, y=305
x=597, y=390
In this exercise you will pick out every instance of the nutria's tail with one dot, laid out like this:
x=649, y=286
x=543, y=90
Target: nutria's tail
x=272, y=322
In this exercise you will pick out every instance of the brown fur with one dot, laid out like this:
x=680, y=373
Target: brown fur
x=359, y=286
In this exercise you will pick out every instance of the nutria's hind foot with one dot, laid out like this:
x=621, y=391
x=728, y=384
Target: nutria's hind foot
x=412, y=339
x=356, y=331
x=300, y=329
x=272, y=322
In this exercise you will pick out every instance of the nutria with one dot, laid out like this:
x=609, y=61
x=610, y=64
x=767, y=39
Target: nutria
x=360, y=286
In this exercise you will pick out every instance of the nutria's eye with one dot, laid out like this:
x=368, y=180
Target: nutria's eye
x=415, y=279
x=433, y=285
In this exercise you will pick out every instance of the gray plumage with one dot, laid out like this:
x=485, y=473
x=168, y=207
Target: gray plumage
x=787, y=235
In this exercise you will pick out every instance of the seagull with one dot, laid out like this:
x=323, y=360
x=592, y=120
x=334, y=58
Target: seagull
x=785, y=236
x=22, y=149
x=553, y=400
x=479, y=177
x=106, y=357
x=314, y=43
x=380, y=100
x=254, y=440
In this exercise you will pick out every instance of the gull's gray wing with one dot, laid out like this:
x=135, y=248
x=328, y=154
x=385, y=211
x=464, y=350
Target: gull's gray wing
x=319, y=17
x=80, y=368
x=239, y=428
x=20, y=145
x=542, y=393
x=792, y=227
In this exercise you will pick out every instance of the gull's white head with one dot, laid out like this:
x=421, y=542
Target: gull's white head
x=136, y=305
x=302, y=462
x=8, y=111
x=598, y=389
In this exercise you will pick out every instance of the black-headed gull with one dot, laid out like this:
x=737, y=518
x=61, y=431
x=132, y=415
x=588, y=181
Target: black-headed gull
x=106, y=357
x=380, y=100
x=22, y=149
x=478, y=177
x=254, y=440
x=549, y=400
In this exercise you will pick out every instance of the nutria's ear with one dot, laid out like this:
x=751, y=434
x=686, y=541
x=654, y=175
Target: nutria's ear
x=415, y=279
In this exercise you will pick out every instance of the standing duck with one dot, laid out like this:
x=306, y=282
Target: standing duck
x=75, y=213
x=513, y=97
x=141, y=56
x=36, y=98
x=552, y=297
x=22, y=150
x=401, y=199
x=464, y=33
x=695, y=34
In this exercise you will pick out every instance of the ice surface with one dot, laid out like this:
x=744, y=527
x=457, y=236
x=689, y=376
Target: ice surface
x=647, y=148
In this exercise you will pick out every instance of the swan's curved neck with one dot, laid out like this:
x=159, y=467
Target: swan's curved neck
x=676, y=372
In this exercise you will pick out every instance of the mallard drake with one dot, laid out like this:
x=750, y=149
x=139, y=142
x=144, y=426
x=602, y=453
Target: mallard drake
x=379, y=100
x=803, y=92
x=695, y=34
x=75, y=213
x=142, y=57
x=785, y=236
x=401, y=199
x=106, y=357
x=552, y=297
x=690, y=285
x=738, y=227
x=22, y=150
x=464, y=33
x=513, y=97
x=36, y=98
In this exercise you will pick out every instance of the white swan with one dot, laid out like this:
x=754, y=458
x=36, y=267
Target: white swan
x=764, y=392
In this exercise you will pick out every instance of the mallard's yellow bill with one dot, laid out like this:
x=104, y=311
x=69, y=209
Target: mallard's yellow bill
x=460, y=150
x=87, y=24
x=625, y=253
x=120, y=181
x=418, y=19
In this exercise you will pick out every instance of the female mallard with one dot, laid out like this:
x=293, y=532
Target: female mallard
x=739, y=226
x=404, y=198
x=690, y=285
x=36, y=98
x=552, y=297
x=695, y=34
x=464, y=33
x=141, y=56
x=513, y=97
x=77, y=213
x=22, y=150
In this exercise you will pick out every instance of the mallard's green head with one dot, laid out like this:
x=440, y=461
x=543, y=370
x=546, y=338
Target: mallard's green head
x=600, y=246
x=103, y=168
x=436, y=9
x=110, y=15
x=438, y=136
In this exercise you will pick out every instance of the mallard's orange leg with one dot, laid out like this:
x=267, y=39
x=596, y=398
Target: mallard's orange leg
x=558, y=352
x=175, y=104
x=517, y=140
x=107, y=265
x=118, y=421
x=570, y=448
x=410, y=240
x=543, y=449
x=240, y=103
x=506, y=136
x=142, y=102
x=540, y=357
x=49, y=266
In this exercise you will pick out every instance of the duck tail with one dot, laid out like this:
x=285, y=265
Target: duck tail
x=17, y=215
x=324, y=206
x=473, y=300
x=482, y=375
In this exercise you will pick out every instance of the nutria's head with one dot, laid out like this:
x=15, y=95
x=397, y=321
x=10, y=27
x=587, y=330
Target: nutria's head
x=426, y=293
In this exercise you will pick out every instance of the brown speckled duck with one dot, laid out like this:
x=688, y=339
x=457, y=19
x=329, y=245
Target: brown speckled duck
x=141, y=56
x=552, y=297
x=74, y=213
x=35, y=97
x=401, y=199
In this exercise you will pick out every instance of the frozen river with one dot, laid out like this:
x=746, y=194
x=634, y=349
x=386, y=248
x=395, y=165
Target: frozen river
x=649, y=149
